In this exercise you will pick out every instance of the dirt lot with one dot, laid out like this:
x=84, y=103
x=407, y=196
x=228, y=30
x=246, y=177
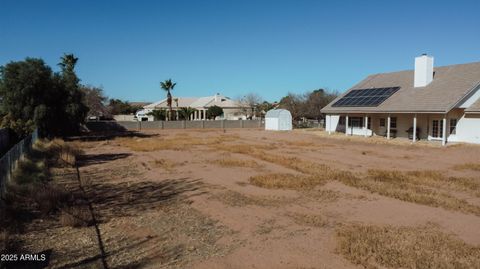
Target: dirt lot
x=257, y=199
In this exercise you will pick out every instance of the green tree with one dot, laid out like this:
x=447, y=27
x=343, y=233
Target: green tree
x=168, y=86
x=214, y=111
x=31, y=97
x=75, y=110
x=315, y=101
x=186, y=112
x=158, y=114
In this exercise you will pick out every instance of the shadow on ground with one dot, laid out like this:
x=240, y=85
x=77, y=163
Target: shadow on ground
x=107, y=135
x=130, y=198
x=89, y=159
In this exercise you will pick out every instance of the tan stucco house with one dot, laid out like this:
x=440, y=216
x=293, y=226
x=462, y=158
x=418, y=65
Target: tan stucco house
x=440, y=103
x=232, y=110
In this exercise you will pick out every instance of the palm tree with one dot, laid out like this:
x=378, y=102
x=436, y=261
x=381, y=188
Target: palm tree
x=68, y=62
x=186, y=112
x=168, y=85
x=158, y=114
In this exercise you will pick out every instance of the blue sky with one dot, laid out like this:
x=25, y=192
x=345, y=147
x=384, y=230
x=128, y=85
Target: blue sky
x=236, y=47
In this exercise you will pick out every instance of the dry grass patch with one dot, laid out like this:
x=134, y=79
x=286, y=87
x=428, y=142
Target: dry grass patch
x=237, y=163
x=467, y=166
x=166, y=164
x=405, y=247
x=236, y=199
x=286, y=181
x=295, y=163
x=76, y=217
x=320, y=195
x=154, y=144
x=179, y=142
x=423, y=187
x=409, y=187
x=309, y=220
x=298, y=143
x=58, y=152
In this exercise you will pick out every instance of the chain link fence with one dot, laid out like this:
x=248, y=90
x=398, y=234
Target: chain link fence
x=9, y=161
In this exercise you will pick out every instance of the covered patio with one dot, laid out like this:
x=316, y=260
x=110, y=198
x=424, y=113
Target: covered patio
x=428, y=126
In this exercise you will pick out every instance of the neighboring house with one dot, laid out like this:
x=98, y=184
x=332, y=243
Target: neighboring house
x=232, y=110
x=441, y=103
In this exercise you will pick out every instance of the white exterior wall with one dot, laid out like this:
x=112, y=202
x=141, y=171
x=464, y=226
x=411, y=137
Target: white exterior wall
x=285, y=122
x=271, y=124
x=468, y=129
x=423, y=71
x=331, y=122
x=278, y=120
x=124, y=117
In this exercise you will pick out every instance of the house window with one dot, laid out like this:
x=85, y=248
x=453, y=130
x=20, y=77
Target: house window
x=437, y=127
x=341, y=121
x=369, y=123
x=453, y=126
x=393, y=123
x=356, y=122
x=382, y=122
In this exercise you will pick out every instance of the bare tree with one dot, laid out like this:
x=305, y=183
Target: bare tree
x=95, y=101
x=295, y=103
x=250, y=103
x=307, y=105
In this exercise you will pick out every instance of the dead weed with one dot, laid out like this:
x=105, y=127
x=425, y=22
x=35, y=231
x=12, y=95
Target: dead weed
x=405, y=247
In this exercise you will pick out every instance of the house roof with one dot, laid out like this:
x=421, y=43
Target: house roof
x=142, y=104
x=474, y=108
x=182, y=102
x=450, y=86
x=275, y=113
x=197, y=102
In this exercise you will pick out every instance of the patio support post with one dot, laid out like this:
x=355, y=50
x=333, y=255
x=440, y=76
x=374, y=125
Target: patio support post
x=366, y=125
x=444, y=130
x=346, y=125
x=388, y=127
x=414, y=128
x=329, y=124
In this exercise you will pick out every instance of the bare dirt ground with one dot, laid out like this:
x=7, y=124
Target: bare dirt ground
x=186, y=199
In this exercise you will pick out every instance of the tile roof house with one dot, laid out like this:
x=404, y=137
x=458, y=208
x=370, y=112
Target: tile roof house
x=232, y=109
x=441, y=103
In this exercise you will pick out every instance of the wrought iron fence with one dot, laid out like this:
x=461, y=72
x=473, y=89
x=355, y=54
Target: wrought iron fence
x=9, y=161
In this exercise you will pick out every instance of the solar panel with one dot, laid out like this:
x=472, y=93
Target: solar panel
x=366, y=97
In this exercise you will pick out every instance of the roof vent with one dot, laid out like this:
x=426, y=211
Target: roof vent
x=423, y=70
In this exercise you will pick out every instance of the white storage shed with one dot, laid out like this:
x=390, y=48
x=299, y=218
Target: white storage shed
x=278, y=120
